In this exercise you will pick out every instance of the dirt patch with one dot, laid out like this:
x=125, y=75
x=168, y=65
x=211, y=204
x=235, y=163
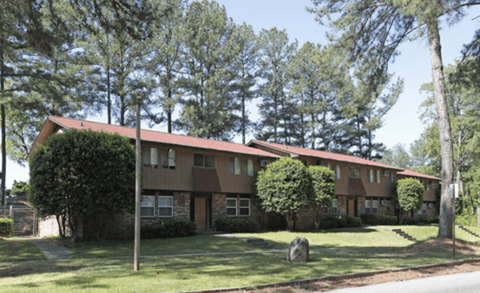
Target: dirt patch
x=389, y=276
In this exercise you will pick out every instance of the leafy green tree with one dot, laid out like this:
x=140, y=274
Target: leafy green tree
x=83, y=175
x=323, y=190
x=376, y=29
x=276, y=53
x=209, y=108
x=282, y=188
x=409, y=196
x=19, y=188
x=397, y=156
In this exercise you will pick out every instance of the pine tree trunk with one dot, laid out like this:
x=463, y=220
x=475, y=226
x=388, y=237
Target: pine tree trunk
x=471, y=201
x=446, y=149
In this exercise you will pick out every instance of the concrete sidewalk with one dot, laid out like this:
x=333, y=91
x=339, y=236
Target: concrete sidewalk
x=51, y=250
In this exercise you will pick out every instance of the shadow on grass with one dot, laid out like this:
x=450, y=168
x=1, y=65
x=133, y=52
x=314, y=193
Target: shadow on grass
x=22, y=269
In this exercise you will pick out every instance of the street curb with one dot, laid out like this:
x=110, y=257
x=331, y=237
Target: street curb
x=337, y=277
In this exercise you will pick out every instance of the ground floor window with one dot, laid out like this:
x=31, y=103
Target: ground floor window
x=165, y=206
x=231, y=207
x=374, y=206
x=244, y=207
x=368, y=206
x=334, y=209
x=147, y=206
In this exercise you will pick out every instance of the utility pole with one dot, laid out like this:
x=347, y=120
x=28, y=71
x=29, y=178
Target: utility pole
x=136, y=254
x=4, y=142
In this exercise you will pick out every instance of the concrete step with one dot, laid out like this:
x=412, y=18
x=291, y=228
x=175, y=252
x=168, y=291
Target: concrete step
x=468, y=231
x=404, y=235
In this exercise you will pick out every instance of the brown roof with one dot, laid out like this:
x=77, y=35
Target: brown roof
x=161, y=137
x=411, y=173
x=323, y=155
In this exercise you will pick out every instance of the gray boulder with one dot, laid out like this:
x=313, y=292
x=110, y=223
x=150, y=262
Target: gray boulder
x=298, y=250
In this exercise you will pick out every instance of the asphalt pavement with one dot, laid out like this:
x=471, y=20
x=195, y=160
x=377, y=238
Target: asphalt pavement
x=464, y=283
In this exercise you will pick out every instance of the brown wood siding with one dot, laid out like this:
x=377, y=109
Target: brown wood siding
x=182, y=177
x=429, y=194
x=373, y=189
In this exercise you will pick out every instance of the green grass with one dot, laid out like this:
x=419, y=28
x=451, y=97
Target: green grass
x=186, y=245
x=16, y=249
x=331, y=252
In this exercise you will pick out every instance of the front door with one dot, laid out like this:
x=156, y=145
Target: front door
x=200, y=213
x=351, y=208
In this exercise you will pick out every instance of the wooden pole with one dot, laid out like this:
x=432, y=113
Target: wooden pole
x=453, y=224
x=136, y=255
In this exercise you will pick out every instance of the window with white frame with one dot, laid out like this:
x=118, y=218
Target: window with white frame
x=370, y=175
x=247, y=167
x=244, y=207
x=378, y=176
x=231, y=207
x=165, y=206
x=150, y=157
x=374, y=206
x=392, y=176
x=389, y=205
x=147, y=206
x=424, y=209
x=368, y=206
x=169, y=159
x=334, y=209
x=339, y=172
x=204, y=161
x=235, y=166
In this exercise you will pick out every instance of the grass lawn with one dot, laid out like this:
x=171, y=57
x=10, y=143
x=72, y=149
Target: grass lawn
x=427, y=232
x=15, y=249
x=186, y=245
x=332, y=252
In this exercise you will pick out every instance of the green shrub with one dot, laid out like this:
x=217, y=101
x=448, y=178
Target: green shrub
x=466, y=219
x=237, y=225
x=6, y=227
x=332, y=222
x=378, y=219
x=168, y=229
x=276, y=222
x=422, y=219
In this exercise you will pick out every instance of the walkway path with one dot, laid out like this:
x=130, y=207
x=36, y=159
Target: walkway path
x=51, y=250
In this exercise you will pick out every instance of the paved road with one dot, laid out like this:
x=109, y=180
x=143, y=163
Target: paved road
x=464, y=283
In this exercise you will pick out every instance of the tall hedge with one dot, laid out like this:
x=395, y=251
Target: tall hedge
x=78, y=174
x=322, y=192
x=6, y=227
x=409, y=195
x=282, y=188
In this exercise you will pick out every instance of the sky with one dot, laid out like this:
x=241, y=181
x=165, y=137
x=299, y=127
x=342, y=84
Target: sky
x=401, y=124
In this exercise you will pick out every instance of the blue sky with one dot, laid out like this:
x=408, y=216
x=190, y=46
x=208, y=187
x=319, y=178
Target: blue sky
x=401, y=125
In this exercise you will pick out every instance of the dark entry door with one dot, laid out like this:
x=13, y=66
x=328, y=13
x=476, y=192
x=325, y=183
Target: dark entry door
x=351, y=208
x=200, y=213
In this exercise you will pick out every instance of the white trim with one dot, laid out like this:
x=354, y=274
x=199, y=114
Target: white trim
x=231, y=207
x=145, y=201
x=240, y=207
x=163, y=207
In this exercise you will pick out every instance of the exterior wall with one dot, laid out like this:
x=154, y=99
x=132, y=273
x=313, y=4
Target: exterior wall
x=430, y=192
x=219, y=202
x=360, y=205
x=47, y=226
x=181, y=178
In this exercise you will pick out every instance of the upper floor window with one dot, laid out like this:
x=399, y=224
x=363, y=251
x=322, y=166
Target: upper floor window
x=235, y=166
x=247, y=167
x=168, y=159
x=150, y=157
x=338, y=172
x=370, y=175
x=426, y=185
x=392, y=176
x=306, y=163
x=205, y=161
x=378, y=176
x=354, y=173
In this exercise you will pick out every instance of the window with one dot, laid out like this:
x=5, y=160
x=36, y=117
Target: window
x=370, y=175
x=392, y=176
x=168, y=159
x=147, y=206
x=165, y=206
x=367, y=206
x=426, y=185
x=247, y=167
x=338, y=173
x=306, y=163
x=244, y=207
x=374, y=206
x=424, y=209
x=205, y=161
x=150, y=157
x=354, y=173
x=235, y=166
x=324, y=210
x=231, y=207
x=378, y=176
x=389, y=205
x=334, y=209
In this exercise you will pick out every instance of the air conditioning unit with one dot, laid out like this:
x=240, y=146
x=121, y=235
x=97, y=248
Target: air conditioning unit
x=386, y=173
x=431, y=205
x=263, y=163
x=383, y=202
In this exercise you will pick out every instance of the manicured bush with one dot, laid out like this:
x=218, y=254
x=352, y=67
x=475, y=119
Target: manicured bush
x=332, y=222
x=237, y=225
x=6, y=227
x=378, y=219
x=168, y=229
x=409, y=196
x=322, y=193
x=422, y=219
